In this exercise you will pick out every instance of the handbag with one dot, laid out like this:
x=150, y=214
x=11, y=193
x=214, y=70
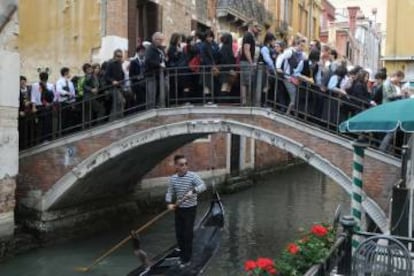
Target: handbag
x=194, y=63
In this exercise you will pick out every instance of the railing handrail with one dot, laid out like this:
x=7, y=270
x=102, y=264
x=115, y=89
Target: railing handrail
x=175, y=75
x=370, y=234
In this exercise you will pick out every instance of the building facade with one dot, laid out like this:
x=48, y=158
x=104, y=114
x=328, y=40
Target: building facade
x=399, y=49
x=73, y=32
x=327, y=19
x=297, y=17
x=356, y=37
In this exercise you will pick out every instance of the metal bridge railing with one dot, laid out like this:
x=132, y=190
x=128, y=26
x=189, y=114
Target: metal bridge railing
x=379, y=257
x=172, y=87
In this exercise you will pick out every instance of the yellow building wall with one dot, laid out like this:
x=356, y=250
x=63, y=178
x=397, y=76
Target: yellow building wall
x=296, y=17
x=57, y=33
x=295, y=26
x=399, y=17
x=399, y=43
x=393, y=66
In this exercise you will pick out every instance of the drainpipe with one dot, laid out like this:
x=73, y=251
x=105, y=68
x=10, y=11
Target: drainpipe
x=104, y=9
x=310, y=26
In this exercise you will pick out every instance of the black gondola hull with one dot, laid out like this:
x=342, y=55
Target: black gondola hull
x=207, y=237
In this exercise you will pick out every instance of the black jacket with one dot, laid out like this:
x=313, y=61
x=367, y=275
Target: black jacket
x=153, y=58
x=114, y=72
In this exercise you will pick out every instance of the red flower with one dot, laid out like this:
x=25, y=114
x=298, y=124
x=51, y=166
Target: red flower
x=249, y=265
x=265, y=263
x=293, y=248
x=319, y=230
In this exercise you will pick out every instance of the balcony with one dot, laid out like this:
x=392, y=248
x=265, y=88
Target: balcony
x=244, y=10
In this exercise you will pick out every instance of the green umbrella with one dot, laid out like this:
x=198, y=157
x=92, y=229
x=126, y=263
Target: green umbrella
x=386, y=117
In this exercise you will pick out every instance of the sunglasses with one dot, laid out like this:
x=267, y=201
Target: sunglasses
x=182, y=164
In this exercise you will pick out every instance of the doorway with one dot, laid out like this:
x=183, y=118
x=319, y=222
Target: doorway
x=144, y=19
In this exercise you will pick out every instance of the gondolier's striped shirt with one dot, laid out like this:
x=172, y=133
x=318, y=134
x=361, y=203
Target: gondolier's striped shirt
x=179, y=185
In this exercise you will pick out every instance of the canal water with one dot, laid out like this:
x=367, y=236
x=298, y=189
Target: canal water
x=260, y=221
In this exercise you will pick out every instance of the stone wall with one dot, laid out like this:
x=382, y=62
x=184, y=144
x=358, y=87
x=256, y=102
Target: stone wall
x=9, y=94
x=10, y=33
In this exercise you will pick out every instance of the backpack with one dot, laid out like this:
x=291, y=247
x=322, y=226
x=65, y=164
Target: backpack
x=46, y=95
x=294, y=60
x=79, y=86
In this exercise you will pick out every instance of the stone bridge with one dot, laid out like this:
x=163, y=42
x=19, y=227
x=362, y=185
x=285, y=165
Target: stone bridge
x=107, y=161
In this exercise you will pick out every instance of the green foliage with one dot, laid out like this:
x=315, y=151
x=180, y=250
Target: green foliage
x=301, y=255
x=311, y=249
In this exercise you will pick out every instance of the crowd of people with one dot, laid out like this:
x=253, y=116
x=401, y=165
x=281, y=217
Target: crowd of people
x=199, y=66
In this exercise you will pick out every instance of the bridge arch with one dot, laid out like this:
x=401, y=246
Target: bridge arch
x=188, y=130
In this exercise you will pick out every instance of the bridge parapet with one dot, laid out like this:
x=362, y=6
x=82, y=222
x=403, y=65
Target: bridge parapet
x=110, y=159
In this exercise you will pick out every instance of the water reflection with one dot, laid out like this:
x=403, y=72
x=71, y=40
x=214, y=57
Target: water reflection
x=262, y=220
x=259, y=222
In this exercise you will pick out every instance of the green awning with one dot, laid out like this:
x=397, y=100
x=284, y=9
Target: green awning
x=386, y=117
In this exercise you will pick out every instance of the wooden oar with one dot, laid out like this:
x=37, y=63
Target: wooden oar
x=121, y=243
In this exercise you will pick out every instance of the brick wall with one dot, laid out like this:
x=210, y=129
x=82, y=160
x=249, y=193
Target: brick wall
x=267, y=156
x=117, y=18
x=202, y=155
x=176, y=17
x=121, y=19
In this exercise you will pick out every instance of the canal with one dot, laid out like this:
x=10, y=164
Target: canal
x=260, y=221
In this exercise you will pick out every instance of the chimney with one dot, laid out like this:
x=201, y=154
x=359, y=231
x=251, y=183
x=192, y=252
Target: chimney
x=352, y=16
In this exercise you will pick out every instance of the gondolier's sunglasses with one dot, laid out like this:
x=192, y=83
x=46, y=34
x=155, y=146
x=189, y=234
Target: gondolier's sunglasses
x=182, y=164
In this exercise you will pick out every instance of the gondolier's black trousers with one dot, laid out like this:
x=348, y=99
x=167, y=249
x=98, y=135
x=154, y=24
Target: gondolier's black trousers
x=184, y=225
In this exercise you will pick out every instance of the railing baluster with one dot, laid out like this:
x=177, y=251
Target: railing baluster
x=162, y=88
x=259, y=85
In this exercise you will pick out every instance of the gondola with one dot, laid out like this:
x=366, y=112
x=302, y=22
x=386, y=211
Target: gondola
x=207, y=236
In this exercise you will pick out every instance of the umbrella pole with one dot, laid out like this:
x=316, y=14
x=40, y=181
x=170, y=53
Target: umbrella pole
x=357, y=188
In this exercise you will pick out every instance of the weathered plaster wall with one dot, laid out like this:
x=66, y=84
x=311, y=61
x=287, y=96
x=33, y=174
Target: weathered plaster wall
x=9, y=94
x=9, y=87
x=9, y=35
x=58, y=33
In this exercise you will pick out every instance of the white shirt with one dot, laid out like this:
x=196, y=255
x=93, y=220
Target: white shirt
x=63, y=95
x=286, y=55
x=36, y=95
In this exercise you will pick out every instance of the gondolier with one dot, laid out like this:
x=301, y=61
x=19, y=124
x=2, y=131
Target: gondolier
x=186, y=184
